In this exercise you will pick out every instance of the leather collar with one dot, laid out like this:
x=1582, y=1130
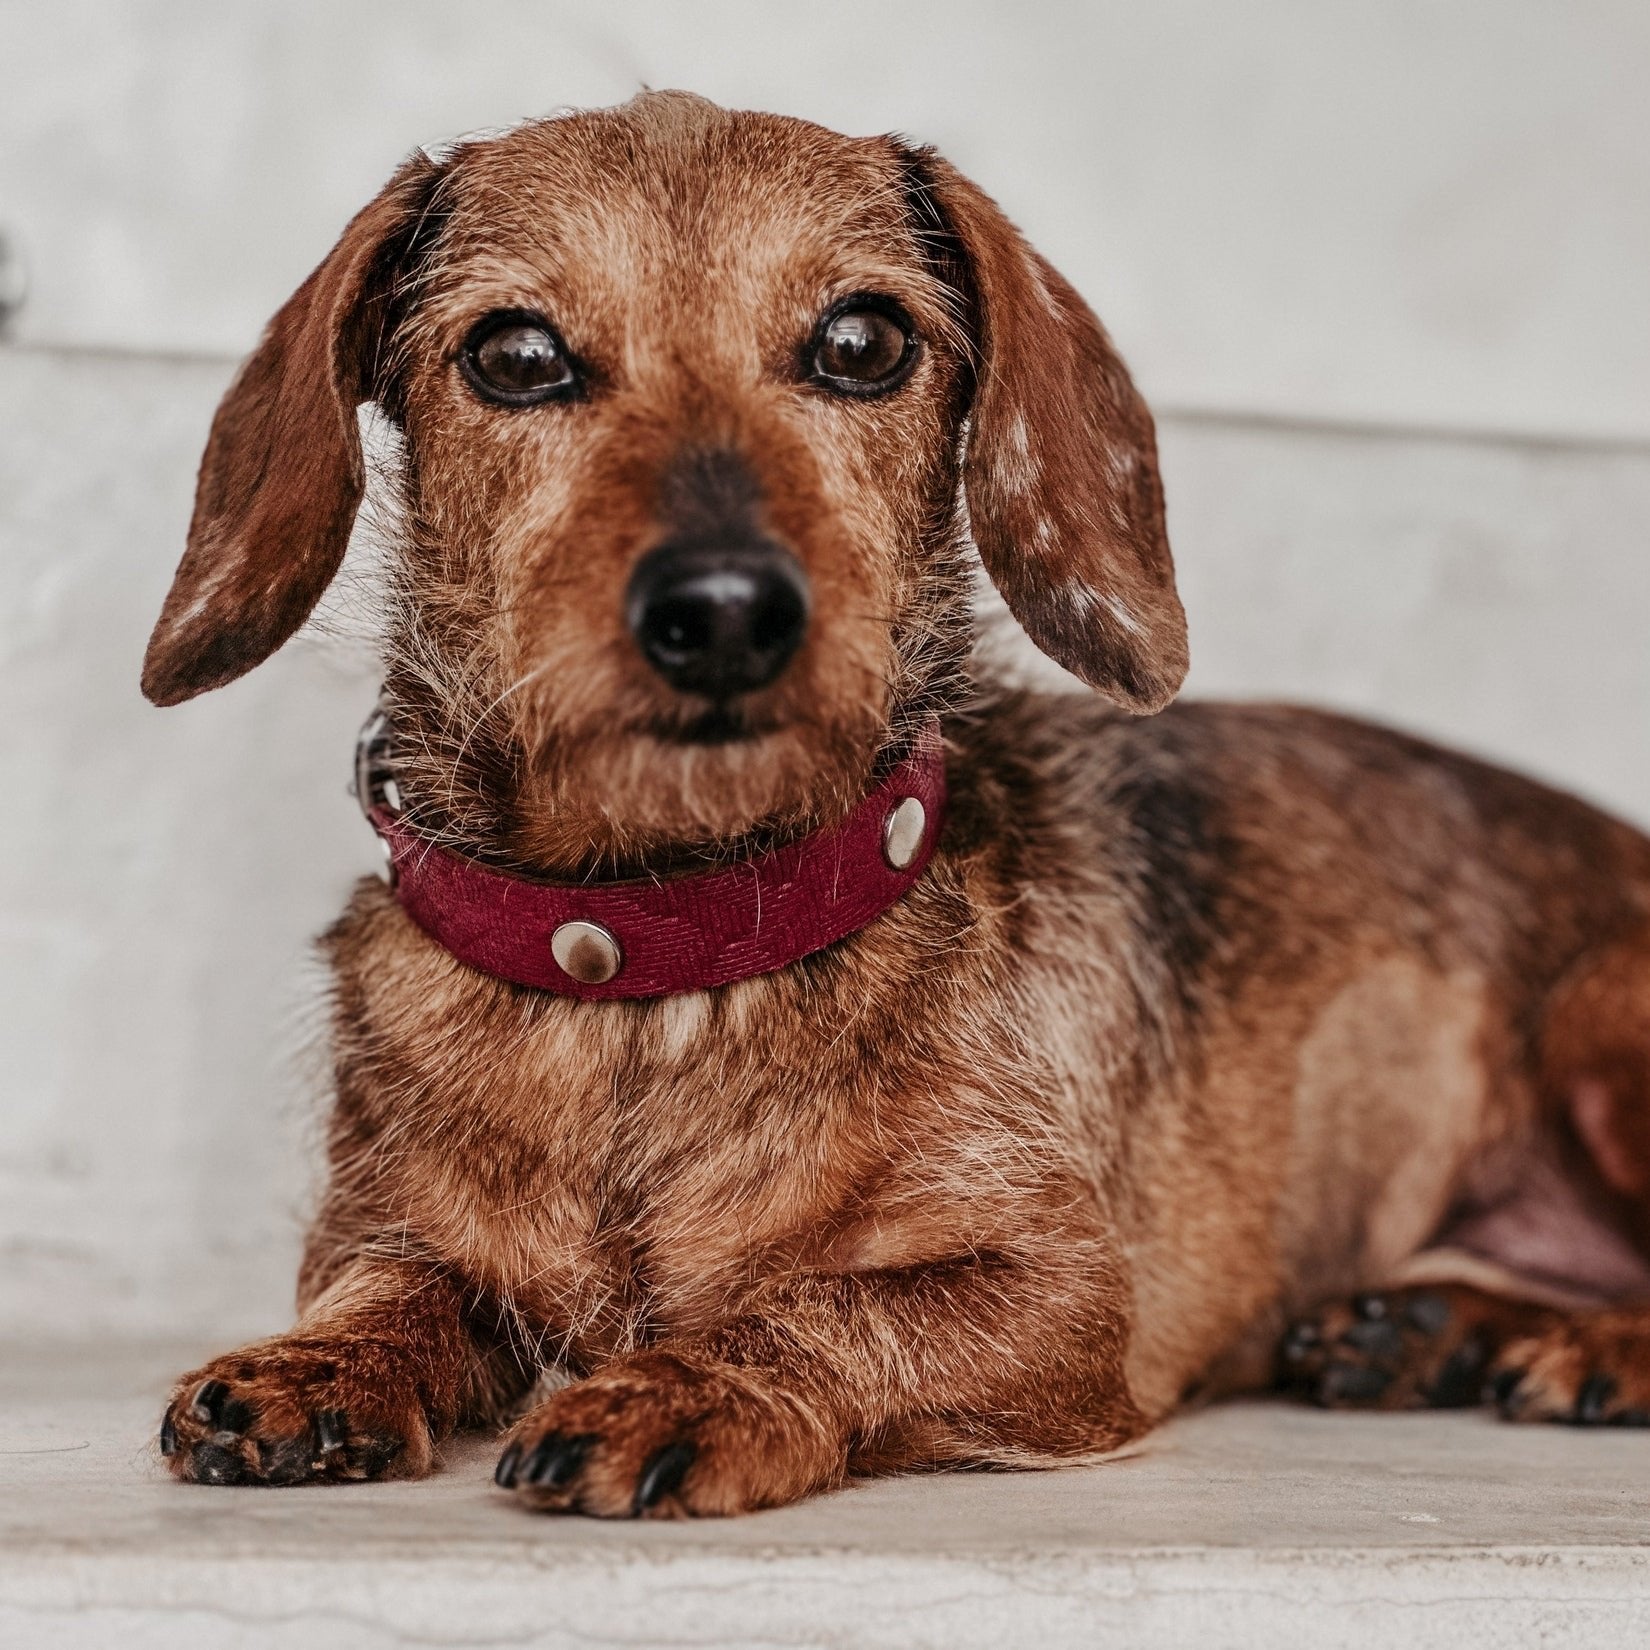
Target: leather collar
x=658, y=937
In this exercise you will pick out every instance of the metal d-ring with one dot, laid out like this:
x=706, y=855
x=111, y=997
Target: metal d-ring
x=374, y=786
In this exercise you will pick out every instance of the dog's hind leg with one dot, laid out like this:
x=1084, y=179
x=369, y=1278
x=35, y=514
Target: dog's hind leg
x=1579, y=1223
x=1595, y=1054
x=381, y=1367
x=1594, y=1367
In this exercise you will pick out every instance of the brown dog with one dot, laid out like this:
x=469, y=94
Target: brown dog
x=1191, y=1023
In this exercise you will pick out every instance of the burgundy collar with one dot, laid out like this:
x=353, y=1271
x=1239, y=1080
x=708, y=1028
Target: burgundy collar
x=684, y=933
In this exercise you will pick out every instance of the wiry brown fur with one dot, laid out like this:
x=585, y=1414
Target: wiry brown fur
x=1192, y=1022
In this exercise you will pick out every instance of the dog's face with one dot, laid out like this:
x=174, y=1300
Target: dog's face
x=681, y=402
x=685, y=397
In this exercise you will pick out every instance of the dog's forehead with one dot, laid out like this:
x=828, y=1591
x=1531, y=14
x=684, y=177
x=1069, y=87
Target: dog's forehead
x=670, y=188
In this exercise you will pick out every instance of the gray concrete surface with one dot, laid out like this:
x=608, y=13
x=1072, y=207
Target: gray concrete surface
x=1248, y=1524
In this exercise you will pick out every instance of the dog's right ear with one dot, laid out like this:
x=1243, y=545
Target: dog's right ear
x=282, y=476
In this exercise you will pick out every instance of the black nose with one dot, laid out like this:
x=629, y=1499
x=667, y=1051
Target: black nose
x=718, y=619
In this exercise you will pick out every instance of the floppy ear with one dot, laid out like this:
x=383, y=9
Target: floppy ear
x=1060, y=470
x=282, y=476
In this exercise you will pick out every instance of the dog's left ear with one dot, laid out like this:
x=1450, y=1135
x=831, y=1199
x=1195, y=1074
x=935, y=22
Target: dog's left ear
x=1060, y=471
x=282, y=476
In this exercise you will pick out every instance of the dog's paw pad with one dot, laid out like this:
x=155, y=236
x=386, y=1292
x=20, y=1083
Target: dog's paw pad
x=1394, y=1349
x=1458, y=1382
x=1349, y=1383
x=213, y=1464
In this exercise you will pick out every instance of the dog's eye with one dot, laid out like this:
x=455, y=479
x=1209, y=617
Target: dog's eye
x=517, y=360
x=863, y=348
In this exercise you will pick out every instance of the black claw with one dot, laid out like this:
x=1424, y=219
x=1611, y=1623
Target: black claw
x=555, y=1460
x=1592, y=1399
x=168, y=1435
x=1460, y=1381
x=1378, y=1337
x=235, y=1417
x=1352, y=1384
x=207, y=1404
x=663, y=1474
x=1369, y=1307
x=331, y=1429
x=537, y=1457
x=1504, y=1387
x=213, y=1405
x=504, y=1474
x=1427, y=1313
x=213, y=1464
x=1630, y=1418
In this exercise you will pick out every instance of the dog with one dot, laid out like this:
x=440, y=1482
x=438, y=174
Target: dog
x=1083, y=1063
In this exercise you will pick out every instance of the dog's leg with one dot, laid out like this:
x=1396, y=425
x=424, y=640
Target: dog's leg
x=1448, y=1346
x=1593, y=1368
x=378, y=1370
x=979, y=1360
x=1456, y=1344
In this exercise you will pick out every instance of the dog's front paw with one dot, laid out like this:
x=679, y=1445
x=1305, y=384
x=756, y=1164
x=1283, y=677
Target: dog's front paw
x=296, y=1409
x=660, y=1435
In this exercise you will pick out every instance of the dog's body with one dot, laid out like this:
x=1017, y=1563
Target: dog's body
x=1190, y=1024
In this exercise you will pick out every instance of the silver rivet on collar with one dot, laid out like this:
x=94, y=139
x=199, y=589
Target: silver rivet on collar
x=902, y=832
x=586, y=952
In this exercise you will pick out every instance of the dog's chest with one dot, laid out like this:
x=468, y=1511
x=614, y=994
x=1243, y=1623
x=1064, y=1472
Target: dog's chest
x=609, y=1170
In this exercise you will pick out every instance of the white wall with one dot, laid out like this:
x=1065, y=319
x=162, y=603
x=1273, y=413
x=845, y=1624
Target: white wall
x=1434, y=211
x=1430, y=217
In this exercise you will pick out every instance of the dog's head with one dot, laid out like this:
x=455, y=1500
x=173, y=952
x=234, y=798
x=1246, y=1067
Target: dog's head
x=699, y=410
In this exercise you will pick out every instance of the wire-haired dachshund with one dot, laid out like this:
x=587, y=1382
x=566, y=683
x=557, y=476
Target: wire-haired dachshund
x=822, y=1058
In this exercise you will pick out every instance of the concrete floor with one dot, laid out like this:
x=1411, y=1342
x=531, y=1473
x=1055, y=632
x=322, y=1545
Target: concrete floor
x=1248, y=1524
